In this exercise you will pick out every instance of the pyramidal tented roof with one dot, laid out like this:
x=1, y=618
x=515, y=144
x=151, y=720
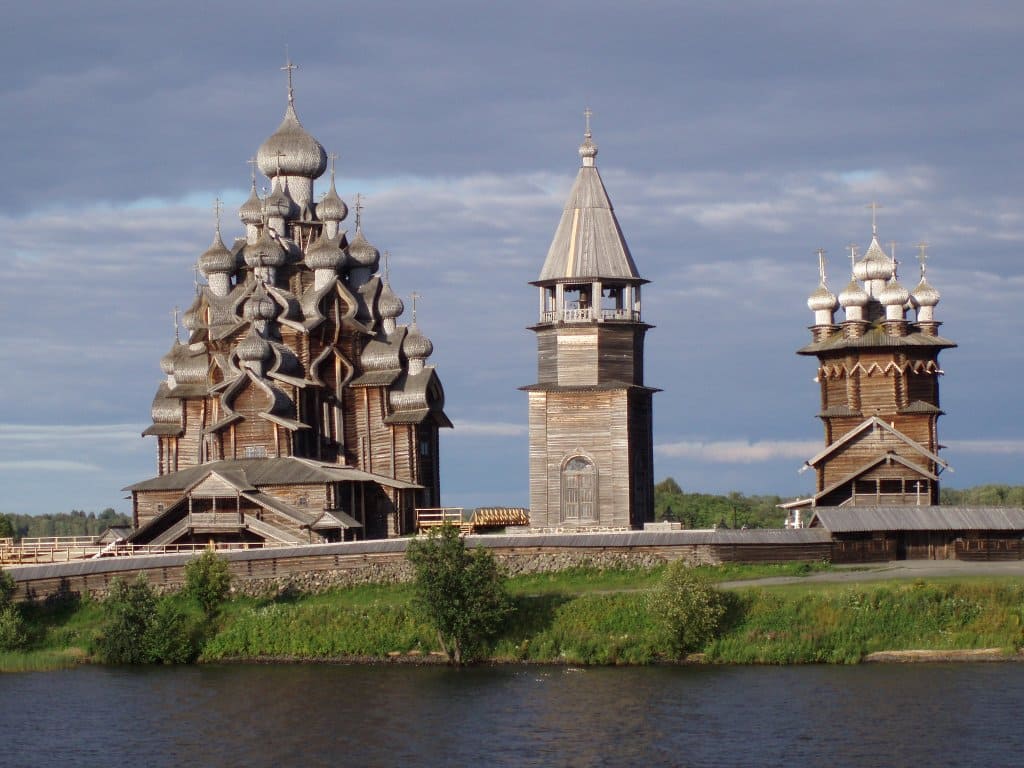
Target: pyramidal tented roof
x=588, y=243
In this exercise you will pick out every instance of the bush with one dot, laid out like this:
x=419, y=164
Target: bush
x=12, y=629
x=207, y=581
x=172, y=638
x=129, y=613
x=461, y=594
x=7, y=587
x=687, y=606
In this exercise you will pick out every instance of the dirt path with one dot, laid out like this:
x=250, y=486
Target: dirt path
x=897, y=569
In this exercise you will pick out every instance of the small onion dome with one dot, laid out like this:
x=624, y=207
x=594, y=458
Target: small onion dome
x=417, y=346
x=822, y=299
x=253, y=348
x=217, y=259
x=324, y=253
x=291, y=151
x=265, y=252
x=588, y=149
x=280, y=203
x=853, y=295
x=191, y=319
x=875, y=265
x=260, y=307
x=894, y=294
x=251, y=211
x=167, y=361
x=389, y=305
x=332, y=207
x=361, y=252
x=924, y=295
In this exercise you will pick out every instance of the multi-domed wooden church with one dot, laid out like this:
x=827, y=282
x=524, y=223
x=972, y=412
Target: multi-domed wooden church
x=878, y=372
x=299, y=408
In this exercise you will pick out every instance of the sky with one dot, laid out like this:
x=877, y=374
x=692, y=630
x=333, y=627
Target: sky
x=735, y=140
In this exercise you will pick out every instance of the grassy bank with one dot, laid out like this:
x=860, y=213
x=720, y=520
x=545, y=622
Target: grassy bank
x=587, y=617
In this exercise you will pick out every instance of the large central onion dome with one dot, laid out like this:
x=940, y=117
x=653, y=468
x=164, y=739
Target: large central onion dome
x=291, y=151
x=875, y=265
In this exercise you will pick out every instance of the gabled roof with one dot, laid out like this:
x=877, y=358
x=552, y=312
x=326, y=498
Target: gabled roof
x=288, y=470
x=860, y=471
x=864, y=425
x=588, y=242
x=909, y=518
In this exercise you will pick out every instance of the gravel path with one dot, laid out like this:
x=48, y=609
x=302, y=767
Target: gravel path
x=897, y=569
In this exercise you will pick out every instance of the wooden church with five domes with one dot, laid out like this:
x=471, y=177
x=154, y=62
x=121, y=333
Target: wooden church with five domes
x=298, y=409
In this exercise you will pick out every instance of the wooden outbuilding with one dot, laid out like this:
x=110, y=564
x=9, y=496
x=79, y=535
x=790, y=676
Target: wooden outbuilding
x=874, y=534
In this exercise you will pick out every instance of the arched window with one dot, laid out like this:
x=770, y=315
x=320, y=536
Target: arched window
x=579, y=489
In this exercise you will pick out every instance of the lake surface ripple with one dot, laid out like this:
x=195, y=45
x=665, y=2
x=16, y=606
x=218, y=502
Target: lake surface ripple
x=334, y=715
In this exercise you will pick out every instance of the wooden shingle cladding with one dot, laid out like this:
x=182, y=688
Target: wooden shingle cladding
x=274, y=368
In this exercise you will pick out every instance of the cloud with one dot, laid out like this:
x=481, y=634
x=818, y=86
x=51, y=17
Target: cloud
x=738, y=451
x=47, y=465
x=998, y=447
x=51, y=433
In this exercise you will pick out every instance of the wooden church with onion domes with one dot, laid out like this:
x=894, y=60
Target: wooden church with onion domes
x=878, y=375
x=298, y=409
x=590, y=413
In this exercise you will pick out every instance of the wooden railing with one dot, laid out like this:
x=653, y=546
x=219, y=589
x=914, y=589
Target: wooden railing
x=587, y=313
x=34, y=554
x=214, y=519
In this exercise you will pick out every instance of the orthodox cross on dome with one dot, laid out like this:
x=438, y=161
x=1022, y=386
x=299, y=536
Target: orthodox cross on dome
x=174, y=315
x=218, y=204
x=359, y=210
x=195, y=277
x=895, y=263
x=874, y=211
x=333, y=156
x=853, y=254
x=821, y=265
x=922, y=257
x=289, y=67
x=387, y=265
x=252, y=170
x=587, y=114
x=415, y=296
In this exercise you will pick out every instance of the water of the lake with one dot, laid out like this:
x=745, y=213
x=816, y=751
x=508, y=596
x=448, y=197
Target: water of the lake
x=324, y=715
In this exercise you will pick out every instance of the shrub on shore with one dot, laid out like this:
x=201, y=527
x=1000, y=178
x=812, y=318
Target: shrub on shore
x=687, y=607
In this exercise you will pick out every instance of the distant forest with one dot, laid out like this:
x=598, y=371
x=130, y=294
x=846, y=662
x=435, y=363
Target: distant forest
x=693, y=510
x=704, y=510
x=73, y=523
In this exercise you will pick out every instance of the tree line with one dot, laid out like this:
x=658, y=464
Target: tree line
x=73, y=523
x=735, y=510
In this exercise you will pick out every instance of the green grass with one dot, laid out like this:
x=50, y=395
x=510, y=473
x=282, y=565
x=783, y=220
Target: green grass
x=589, y=616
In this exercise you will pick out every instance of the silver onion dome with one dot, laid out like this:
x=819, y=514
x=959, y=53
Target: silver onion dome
x=588, y=149
x=324, y=253
x=217, y=259
x=291, y=151
x=167, y=361
x=821, y=299
x=875, y=265
x=253, y=348
x=389, y=304
x=332, y=207
x=417, y=346
x=894, y=294
x=260, y=307
x=361, y=252
x=251, y=211
x=191, y=319
x=853, y=295
x=280, y=203
x=925, y=295
x=265, y=252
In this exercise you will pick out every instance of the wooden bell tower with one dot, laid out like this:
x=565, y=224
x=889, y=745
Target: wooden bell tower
x=590, y=415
